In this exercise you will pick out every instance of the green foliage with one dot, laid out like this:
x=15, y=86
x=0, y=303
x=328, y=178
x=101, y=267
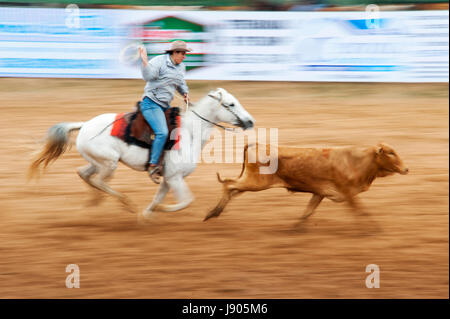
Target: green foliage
x=378, y=2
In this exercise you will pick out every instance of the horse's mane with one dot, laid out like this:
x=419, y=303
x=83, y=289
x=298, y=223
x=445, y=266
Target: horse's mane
x=202, y=100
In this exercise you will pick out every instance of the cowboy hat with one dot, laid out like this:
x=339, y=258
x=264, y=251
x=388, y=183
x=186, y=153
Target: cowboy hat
x=178, y=45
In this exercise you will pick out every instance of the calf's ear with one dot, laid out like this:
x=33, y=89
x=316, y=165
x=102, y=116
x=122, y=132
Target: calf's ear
x=380, y=149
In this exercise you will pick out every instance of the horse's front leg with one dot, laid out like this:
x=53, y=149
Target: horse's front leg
x=158, y=198
x=182, y=194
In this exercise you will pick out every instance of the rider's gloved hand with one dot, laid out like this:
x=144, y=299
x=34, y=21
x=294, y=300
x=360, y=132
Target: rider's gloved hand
x=143, y=55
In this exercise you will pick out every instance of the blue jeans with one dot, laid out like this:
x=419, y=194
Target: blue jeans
x=154, y=114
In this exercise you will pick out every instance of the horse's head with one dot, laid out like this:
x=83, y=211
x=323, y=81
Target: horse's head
x=229, y=110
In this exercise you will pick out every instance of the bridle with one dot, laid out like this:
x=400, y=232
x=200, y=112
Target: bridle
x=227, y=107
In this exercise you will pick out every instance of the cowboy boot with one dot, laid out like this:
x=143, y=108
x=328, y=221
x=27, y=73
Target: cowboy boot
x=155, y=173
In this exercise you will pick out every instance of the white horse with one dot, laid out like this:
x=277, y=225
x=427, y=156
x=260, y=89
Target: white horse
x=103, y=151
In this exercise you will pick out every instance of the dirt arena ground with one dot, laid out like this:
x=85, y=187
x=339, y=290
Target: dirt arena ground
x=253, y=249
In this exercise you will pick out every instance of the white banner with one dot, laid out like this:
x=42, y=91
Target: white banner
x=405, y=46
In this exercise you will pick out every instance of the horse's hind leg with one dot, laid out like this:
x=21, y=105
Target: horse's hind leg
x=86, y=173
x=99, y=182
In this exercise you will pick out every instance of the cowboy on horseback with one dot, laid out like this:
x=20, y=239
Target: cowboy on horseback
x=164, y=74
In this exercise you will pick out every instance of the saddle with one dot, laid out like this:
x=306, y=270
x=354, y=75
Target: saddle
x=133, y=129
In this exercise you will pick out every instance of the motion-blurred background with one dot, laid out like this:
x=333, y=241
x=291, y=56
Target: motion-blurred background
x=281, y=40
x=324, y=73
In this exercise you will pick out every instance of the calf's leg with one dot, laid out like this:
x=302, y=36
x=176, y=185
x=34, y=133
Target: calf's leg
x=228, y=193
x=356, y=206
x=312, y=205
x=232, y=188
x=364, y=219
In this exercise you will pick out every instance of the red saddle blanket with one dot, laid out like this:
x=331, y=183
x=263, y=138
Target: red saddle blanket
x=132, y=128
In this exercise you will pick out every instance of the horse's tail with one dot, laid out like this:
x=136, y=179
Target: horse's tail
x=57, y=142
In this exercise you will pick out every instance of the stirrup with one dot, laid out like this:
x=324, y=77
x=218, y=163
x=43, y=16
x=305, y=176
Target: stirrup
x=155, y=173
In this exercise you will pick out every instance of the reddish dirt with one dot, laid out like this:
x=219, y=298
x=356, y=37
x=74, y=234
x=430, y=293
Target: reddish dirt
x=253, y=249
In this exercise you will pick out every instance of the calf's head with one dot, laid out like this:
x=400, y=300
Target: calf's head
x=388, y=161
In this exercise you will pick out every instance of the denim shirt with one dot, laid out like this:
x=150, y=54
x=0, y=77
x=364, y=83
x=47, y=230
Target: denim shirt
x=163, y=78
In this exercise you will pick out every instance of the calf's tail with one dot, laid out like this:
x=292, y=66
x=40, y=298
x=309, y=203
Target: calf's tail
x=243, y=166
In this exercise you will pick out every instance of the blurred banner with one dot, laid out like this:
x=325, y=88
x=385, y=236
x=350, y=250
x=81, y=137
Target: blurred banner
x=403, y=46
x=68, y=42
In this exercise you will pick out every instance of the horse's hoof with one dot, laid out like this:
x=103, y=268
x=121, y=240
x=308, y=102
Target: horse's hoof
x=147, y=214
x=160, y=208
x=132, y=210
x=94, y=201
x=145, y=218
x=130, y=207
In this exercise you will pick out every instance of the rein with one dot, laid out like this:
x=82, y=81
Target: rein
x=218, y=125
x=227, y=107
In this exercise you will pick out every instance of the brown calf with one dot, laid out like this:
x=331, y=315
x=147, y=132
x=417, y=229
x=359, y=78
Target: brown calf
x=335, y=173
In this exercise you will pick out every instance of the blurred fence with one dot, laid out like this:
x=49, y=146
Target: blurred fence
x=139, y=2
x=405, y=46
x=225, y=3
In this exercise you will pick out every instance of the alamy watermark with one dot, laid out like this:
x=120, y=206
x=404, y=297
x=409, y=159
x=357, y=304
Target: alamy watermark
x=373, y=279
x=226, y=146
x=73, y=16
x=73, y=279
x=372, y=16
